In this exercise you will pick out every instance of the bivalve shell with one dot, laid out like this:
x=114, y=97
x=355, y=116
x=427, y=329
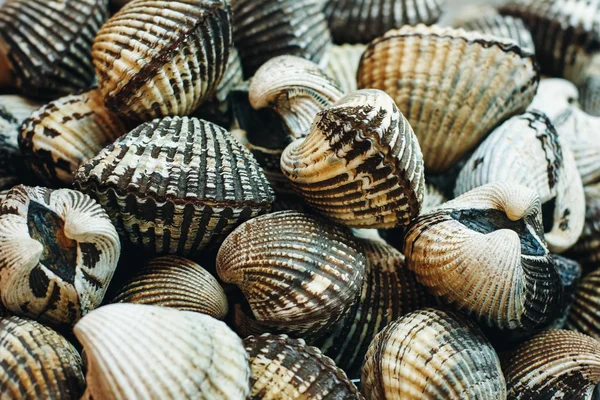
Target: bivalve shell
x=589, y=95
x=584, y=315
x=587, y=248
x=503, y=26
x=343, y=65
x=570, y=273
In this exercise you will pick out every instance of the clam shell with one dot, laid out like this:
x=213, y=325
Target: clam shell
x=432, y=198
x=343, y=65
x=361, y=164
x=503, y=26
x=584, y=315
x=137, y=351
x=587, y=248
x=569, y=272
x=156, y=58
x=589, y=95
x=176, y=185
x=37, y=363
x=432, y=354
x=452, y=86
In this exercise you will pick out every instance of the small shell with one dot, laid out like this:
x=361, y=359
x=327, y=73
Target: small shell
x=156, y=58
x=343, y=65
x=553, y=364
x=584, y=315
x=432, y=354
x=361, y=164
x=503, y=26
x=587, y=248
x=137, y=351
x=453, y=86
x=589, y=95
x=37, y=363
x=176, y=185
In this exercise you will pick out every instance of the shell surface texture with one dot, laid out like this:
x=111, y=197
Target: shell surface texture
x=504, y=26
x=343, y=65
x=587, y=249
x=584, y=315
x=589, y=94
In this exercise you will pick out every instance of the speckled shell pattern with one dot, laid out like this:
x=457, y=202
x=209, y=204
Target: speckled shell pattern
x=37, y=363
x=361, y=164
x=285, y=368
x=503, y=26
x=453, y=86
x=584, y=315
x=176, y=185
x=172, y=281
x=589, y=95
x=67, y=132
x=156, y=58
x=432, y=354
x=137, y=351
x=587, y=248
x=48, y=44
x=553, y=364
x=343, y=65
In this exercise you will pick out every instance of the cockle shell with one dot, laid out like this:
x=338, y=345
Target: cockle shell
x=432, y=198
x=432, y=354
x=343, y=65
x=584, y=315
x=589, y=95
x=156, y=58
x=503, y=26
x=570, y=272
x=453, y=86
x=137, y=351
x=587, y=248
x=176, y=185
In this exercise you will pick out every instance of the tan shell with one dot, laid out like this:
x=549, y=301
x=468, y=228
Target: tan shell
x=453, y=86
x=503, y=26
x=343, y=65
x=584, y=315
x=587, y=248
x=361, y=164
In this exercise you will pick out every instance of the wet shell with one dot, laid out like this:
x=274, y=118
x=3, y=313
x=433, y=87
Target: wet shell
x=343, y=65
x=48, y=44
x=37, y=363
x=485, y=252
x=361, y=164
x=587, y=248
x=156, y=58
x=584, y=315
x=432, y=354
x=136, y=351
x=553, y=364
x=589, y=95
x=176, y=185
x=299, y=273
x=453, y=86
x=286, y=369
x=61, y=135
x=503, y=26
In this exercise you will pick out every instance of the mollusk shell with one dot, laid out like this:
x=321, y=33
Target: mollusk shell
x=343, y=65
x=452, y=86
x=584, y=315
x=587, y=248
x=432, y=198
x=589, y=95
x=570, y=275
x=503, y=26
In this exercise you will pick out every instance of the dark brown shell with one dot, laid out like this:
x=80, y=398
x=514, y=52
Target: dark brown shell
x=585, y=311
x=587, y=249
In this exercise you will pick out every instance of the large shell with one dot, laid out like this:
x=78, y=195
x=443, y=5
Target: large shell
x=284, y=368
x=589, y=95
x=136, y=351
x=37, y=363
x=156, y=58
x=176, y=185
x=584, y=315
x=553, y=364
x=587, y=248
x=61, y=135
x=343, y=65
x=503, y=26
x=361, y=164
x=432, y=354
x=453, y=86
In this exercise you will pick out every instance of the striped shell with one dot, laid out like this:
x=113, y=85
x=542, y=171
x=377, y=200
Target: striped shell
x=361, y=164
x=503, y=26
x=485, y=252
x=284, y=368
x=176, y=282
x=587, y=248
x=554, y=364
x=176, y=185
x=453, y=86
x=299, y=274
x=65, y=133
x=432, y=354
x=343, y=65
x=589, y=95
x=156, y=58
x=37, y=363
x=136, y=351
x=584, y=315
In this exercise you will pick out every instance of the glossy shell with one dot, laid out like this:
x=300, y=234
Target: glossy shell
x=587, y=248
x=503, y=26
x=343, y=65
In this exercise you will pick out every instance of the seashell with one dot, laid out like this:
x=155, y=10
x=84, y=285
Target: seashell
x=67, y=132
x=484, y=252
x=360, y=165
x=584, y=315
x=156, y=58
x=587, y=248
x=589, y=95
x=286, y=368
x=465, y=13
x=553, y=364
x=161, y=353
x=569, y=272
x=263, y=29
x=3, y=194
x=360, y=21
x=58, y=253
x=453, y=86
x=37, y=363
x=176, y=185
x=527, y=150
x=432, y=354
x=299, y=273
x=503, y=26
x=343, y=65
x=432, y=198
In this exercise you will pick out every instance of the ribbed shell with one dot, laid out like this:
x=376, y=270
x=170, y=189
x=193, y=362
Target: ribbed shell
x=432, y=354
x=503, y=26
x=176, y=185
x=361, y=164
x=587, y=248
x=284, y=368
x=136, y=351
x=453, y=86
x=343, y=65
x=67, y=132
x=37, y=363
x=156, y=58
x=554, y=364
x=484, y=251
x=589, y=95
x=432, y=198
x=299, y=273
x=570, y=273
x=49, y=43
x=584, y=315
